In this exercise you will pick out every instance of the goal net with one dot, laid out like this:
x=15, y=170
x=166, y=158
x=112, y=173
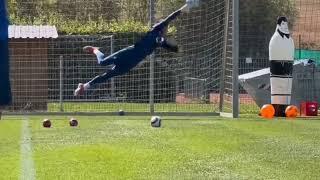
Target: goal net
x=45, y=69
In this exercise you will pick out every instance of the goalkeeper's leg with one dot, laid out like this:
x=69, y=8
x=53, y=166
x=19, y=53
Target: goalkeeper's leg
x=102, y=59
x=115, y=71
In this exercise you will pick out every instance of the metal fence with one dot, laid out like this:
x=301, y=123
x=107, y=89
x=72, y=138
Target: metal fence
x=46, y=71
x=256, y=28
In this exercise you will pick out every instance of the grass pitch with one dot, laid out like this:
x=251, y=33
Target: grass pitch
x=124, y=147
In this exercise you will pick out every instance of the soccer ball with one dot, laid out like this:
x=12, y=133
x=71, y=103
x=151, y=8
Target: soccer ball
x=46, y=123
x=267, y=111
x=291, y=111
x=155, y=121
x=121, y=112
x=73, y=122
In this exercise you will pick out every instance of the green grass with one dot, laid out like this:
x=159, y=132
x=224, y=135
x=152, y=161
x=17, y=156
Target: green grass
x=10, y=135
x=115, y=147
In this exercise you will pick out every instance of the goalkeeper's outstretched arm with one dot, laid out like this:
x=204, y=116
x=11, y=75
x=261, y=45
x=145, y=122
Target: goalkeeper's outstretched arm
x=171, y=17
x=174, y=15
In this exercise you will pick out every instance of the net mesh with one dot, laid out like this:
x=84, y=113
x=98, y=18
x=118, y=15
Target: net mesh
x=45, y=71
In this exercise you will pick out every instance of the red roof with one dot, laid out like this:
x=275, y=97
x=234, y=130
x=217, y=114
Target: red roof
x=32, y=32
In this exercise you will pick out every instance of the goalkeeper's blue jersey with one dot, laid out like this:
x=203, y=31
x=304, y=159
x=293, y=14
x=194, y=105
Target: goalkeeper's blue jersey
x=126, y=59
x=131, y=56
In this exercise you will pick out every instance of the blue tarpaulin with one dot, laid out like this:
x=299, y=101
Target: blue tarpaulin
x=5, y=90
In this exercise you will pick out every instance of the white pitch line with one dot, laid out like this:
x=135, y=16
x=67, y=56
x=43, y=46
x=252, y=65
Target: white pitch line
x=27, y=163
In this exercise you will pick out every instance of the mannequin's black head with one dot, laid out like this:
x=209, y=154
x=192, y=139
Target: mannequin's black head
x=281, y=19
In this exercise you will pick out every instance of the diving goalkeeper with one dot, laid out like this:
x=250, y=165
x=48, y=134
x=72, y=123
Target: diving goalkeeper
x=126, y=59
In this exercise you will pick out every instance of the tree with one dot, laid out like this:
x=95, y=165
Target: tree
x=258, y=23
